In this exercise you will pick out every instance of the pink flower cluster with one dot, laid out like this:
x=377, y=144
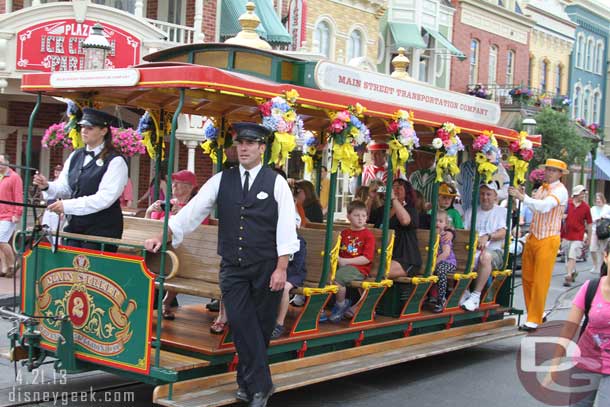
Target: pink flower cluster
x=480, y=142
x=537, y=175
x=55, y=135
x=127, y=141
x=525, y=154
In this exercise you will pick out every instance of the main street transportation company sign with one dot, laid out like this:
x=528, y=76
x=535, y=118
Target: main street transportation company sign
x=57, y=46
x=407, y=94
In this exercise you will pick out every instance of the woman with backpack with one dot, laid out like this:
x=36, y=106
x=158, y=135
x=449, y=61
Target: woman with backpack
x=599, y=211
x=593, y=361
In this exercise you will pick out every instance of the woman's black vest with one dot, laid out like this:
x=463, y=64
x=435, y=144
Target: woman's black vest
x=85, y=181
x=247, y=227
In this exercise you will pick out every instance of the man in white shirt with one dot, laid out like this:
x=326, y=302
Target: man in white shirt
x=256, y=236
x=491, y=227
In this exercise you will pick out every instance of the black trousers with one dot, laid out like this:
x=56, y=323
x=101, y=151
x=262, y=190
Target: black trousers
x=251, y=310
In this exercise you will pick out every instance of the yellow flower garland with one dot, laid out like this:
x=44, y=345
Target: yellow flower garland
x=399, y=154
x=446, y=164
x=520, y=167
x=347, y=156
x=485, y=167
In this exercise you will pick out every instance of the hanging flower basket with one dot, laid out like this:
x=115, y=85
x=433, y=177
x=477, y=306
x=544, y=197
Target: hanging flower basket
x=447, y=144
x=487, y=154
x=312, y=151
x=56, y=136
x=213, y=140
x=403, y=138
x=347, y=133
x=281, y=118
x=127, y=141
x=522, y=151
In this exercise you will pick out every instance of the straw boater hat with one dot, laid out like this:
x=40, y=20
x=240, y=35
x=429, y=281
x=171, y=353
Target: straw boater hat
x=554, y=163
x=446, y=190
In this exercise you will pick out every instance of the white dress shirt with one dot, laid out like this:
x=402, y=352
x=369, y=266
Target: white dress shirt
x=558, y=196
x=201, y=205
x=111, y=186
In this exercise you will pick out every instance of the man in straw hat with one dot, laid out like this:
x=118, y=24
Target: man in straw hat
x=378, y=170
x=540, y=252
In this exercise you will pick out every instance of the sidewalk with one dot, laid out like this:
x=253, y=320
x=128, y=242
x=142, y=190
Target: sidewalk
x=6, y=290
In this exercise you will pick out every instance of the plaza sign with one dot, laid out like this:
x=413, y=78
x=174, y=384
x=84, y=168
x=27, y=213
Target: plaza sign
x=408, y=94
x=57, y=46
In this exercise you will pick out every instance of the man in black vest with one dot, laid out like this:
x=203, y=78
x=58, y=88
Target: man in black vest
x=256, y=236
x=90, y=184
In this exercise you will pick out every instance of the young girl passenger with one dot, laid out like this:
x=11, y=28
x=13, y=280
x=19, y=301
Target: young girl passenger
x=445, y=261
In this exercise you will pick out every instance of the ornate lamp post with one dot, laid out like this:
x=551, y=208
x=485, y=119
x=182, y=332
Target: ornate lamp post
x=96, y=47
x=529, y=125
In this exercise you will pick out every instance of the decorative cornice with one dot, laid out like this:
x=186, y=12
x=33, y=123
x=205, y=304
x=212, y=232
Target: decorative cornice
x=375, y=7
x=500, y=12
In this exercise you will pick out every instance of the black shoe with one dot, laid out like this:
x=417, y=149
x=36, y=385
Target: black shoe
x=242, y=395
x=438, y=308
x=526, y=328
x=260, y=399
x=213, y=306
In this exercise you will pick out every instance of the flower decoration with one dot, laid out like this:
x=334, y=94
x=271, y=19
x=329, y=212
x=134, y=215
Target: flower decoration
x=280, y=117
x=348, y=132
x=55, y=135
x=581, y=121
x=487, y=154
x=479, y=91
x=71, y=127
x=403, y=138
x=521, y=94
x=213, y=140
x=536, y=175
x=312, y=151
x=127, y=141
x=447, y=143
x=146, y=127
x=593, y=127
x=522, y=151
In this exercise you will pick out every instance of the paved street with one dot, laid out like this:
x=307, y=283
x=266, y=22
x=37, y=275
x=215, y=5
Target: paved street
x=485, y=375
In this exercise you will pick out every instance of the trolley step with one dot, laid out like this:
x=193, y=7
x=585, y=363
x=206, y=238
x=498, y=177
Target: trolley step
x=220, y=389
x=177, y=362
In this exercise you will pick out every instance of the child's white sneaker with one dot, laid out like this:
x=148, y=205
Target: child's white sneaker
x=472, y=303
x=464, y=297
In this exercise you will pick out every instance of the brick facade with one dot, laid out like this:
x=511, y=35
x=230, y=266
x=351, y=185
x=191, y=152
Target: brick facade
x=209, y=20
x=463, y=34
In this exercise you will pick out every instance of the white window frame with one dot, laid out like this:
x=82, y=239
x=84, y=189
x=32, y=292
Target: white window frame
x=577, y=96
x=580, y=51
x=510, y=66
x=473, y=72
x=596, y=106
x=589, y=54
x=544, y=74
x=349, y=45
x=600, y=54
x=492, y=72
x=557, y=78
x=331, y=36
x=162, y=9
x=586, y=104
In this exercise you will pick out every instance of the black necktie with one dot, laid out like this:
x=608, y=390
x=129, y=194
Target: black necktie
x=90, y=153
x=246, y=184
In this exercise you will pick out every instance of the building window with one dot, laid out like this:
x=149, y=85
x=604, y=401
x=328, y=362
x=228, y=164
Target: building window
x=380, y=48
x=558, y=79
x=354, y=45
x=473, y=76
x=586, y=103
x=544, y=70
x=510, y=67
x=531, y=71
x=322, y=35
x=125, y=5
x=576, y=100
x=596, y=107
x=589, y=55
x=493, y=64
x=599, y=55
x=580, y=45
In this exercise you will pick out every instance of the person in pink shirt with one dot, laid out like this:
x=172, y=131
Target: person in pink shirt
x=593, y=344
x=11, y=190
x=126, y=198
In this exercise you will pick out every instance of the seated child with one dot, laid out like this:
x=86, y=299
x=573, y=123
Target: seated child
x=445, y=261
x=355, y=257
x=446, y=197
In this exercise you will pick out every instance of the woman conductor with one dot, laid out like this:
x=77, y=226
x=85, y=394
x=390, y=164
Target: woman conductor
x=90, y=184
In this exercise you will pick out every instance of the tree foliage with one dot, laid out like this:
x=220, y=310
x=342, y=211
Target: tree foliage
x=559, y=139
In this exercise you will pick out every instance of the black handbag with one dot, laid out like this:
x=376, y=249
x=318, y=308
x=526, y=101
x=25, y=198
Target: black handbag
x=602, y=228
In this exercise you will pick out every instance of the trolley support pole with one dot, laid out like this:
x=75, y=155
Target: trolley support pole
x=385, y=226
x=473, y=220
x=330, y=218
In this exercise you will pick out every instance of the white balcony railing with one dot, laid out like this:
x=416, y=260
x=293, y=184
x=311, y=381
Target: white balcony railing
x=175, y=33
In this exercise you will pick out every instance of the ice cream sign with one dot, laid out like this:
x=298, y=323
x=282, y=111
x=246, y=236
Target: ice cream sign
x=57, y=46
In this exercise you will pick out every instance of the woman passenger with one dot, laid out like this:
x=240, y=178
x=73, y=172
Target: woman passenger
x=404, y=220
x=310, y=202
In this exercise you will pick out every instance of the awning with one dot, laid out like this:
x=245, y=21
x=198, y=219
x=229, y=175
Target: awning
x=602, y=167
x=445, y=43
x=406, y=35
x=270, y=29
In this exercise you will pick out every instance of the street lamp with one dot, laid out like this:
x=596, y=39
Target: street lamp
x=529, y=125
x=96, y=47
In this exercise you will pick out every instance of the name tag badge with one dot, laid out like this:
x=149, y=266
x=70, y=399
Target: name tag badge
x=262, y=195
x=99, y=162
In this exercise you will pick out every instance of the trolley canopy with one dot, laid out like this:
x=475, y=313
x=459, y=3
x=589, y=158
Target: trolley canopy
x=216, y=92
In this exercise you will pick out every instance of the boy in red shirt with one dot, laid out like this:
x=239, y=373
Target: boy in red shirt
x=355, y=256
x=578, y=220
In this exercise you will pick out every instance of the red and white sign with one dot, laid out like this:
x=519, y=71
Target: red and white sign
x=296, y=23
x=404, y=93
x=57, y=46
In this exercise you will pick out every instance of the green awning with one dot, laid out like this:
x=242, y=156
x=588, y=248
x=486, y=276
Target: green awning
x=445, y=43
x=406, y=35
x=270, y=29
